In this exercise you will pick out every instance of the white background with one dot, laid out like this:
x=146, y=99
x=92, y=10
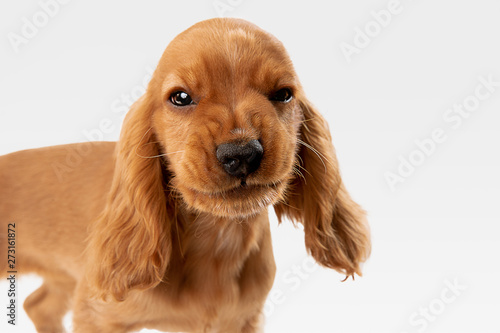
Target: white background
x=438, y=227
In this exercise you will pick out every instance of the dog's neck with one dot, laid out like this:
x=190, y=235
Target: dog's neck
x=218, y=237
x=210, y=247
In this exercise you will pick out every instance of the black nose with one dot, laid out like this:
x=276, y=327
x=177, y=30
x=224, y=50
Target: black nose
x=240, y=160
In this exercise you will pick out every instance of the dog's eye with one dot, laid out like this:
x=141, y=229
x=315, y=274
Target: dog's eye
x=180, y=98
x=283, y=95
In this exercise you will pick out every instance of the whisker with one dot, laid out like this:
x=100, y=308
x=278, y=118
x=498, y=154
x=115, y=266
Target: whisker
x=140, y=141
x=299, y=174
x=283, y=202
x=139, y=145
x=300, y=166
x=300, y=158
x=165, y=154
x=315, y=151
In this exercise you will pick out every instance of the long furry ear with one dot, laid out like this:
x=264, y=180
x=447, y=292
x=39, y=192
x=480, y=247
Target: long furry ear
x=336, y=231
x=129, y=245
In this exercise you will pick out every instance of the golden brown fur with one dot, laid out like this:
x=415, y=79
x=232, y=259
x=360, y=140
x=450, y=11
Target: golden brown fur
x=151, y=231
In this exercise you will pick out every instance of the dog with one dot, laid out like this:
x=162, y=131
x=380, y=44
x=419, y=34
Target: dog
x=168, y=227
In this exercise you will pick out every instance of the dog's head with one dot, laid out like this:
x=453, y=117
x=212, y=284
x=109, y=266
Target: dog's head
x=225, y=129
x=226, y=113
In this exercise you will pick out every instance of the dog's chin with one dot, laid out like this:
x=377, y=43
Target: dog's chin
x=238, y=202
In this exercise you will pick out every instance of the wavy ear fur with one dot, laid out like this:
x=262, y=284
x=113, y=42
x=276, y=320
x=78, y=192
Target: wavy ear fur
x=336, y=231
x=129, y=245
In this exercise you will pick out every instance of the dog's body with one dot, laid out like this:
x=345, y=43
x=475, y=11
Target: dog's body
x=168, y=229
x=194, y=296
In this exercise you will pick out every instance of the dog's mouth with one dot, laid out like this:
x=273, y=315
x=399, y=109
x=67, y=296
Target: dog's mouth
x=244, y=191
x=241, y=200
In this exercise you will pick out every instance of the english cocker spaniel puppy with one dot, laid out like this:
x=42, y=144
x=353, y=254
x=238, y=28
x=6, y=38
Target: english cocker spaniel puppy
x=168, y=228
